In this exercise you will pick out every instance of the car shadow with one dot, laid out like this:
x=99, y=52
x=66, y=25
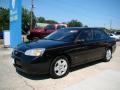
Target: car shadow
x=47, y=76
x=85, y=65
x=33, y=77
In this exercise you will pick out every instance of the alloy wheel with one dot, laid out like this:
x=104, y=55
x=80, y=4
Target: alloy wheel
x=60, y=67
x=108, y=54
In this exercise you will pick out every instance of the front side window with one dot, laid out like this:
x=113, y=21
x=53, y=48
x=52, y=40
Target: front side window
x=86, y=35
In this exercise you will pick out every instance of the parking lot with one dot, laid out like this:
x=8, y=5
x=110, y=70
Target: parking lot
x=97, y=75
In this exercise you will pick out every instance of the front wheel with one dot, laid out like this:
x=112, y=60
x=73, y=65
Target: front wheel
x=59, y=67
x=108, y=55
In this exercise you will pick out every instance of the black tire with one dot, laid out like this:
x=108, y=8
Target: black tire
x=107, y=59
x=52, y=67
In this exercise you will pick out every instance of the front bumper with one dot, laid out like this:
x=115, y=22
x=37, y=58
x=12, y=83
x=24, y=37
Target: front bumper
x=27, y=65
x=41, y=68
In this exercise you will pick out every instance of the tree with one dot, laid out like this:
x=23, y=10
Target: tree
x=4, y=19
x=74, y=23
x=26, y=20
x=51, y=22
x=41, y=19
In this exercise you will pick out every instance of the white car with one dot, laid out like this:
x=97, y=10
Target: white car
x=115, y=36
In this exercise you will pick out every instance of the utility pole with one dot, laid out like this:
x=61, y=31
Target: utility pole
x=31, y=19
x=110, y=24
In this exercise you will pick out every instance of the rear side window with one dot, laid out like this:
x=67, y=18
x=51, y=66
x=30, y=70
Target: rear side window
x=99, y=34
x=86, y=35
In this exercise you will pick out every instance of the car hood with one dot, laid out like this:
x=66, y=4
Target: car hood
x=47, y=44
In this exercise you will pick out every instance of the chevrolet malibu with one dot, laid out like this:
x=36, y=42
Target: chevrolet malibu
x=63, y=49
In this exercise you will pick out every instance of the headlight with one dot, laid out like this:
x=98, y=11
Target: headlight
x=35, y=52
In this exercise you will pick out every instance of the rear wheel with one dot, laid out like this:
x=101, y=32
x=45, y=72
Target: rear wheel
x=59, y=67
x=108, y=55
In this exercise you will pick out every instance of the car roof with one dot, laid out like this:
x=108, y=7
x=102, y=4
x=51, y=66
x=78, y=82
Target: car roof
x=79, y=28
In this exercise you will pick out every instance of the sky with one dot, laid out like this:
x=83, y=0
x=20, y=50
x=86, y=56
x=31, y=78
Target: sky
x=94, y=13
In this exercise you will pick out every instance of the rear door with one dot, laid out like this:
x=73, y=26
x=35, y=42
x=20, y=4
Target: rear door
x=100, y=42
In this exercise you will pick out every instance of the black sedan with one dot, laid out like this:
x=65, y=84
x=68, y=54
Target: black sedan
x=63, y=49
x=1, y=35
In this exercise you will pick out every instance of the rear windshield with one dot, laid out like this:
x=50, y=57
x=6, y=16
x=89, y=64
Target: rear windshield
x=50, y=27
x=60, y=26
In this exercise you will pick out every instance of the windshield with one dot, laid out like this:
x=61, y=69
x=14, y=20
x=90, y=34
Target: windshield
x=65, y=35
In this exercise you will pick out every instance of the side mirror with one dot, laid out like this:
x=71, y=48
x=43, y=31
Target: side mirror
x=80, y=40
